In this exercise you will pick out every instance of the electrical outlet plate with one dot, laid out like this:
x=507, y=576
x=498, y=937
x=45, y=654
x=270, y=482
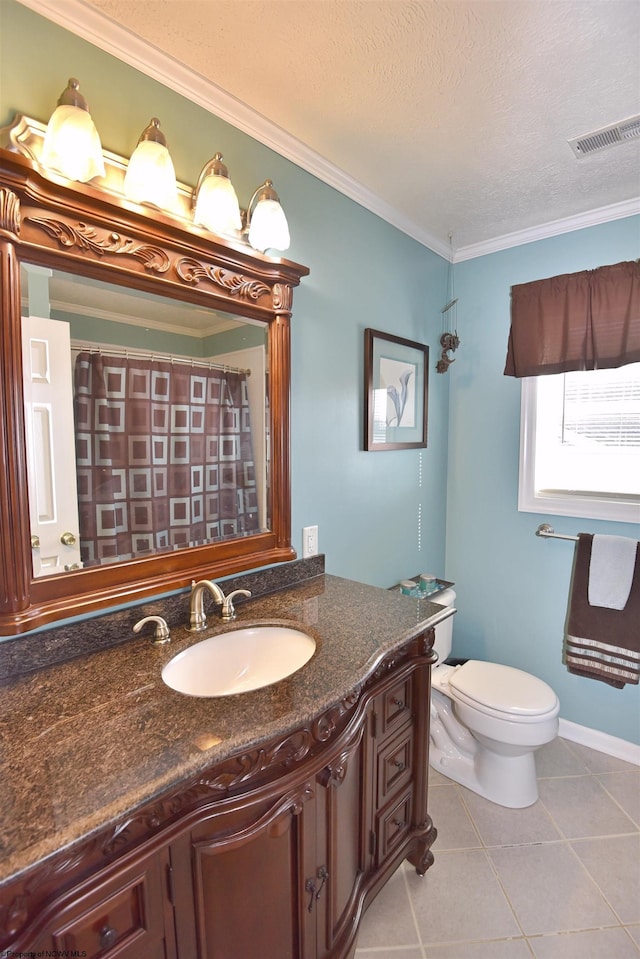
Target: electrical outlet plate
x=309, y=541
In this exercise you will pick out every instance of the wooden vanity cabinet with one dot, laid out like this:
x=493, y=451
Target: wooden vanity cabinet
x=270, y=855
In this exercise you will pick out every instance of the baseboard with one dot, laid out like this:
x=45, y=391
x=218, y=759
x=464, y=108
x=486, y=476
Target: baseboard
x=602, y=742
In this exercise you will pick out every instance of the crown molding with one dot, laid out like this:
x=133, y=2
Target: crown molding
x=604, y=214
x=89, y=24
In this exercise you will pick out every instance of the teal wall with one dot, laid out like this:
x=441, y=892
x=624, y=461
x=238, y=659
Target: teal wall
x=364, y=273
x=512, y=585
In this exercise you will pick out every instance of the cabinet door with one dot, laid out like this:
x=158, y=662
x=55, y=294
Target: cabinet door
x=342, y=846
x=239, y=880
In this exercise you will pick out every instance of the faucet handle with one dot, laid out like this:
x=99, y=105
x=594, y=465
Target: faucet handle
x=228, y=609
x=161, y=633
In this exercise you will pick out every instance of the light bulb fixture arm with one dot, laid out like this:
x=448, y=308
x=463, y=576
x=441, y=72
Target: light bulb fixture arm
x=264, y=192
x=153, y=133
x=213, y=167
x=71, y=96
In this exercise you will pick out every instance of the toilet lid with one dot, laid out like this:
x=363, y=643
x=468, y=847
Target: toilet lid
x=503, y=689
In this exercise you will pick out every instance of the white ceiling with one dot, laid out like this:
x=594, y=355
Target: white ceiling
x=443, y=116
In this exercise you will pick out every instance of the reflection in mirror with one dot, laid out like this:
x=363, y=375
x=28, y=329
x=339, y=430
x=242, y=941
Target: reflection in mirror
x=146, y=422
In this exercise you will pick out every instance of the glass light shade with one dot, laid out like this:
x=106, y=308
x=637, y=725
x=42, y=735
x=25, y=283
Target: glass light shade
x=72, y=144
x=150, y=176
x=268, y=228
x=217, y=205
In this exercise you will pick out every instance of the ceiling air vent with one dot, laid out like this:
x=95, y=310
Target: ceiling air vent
x=606, y=137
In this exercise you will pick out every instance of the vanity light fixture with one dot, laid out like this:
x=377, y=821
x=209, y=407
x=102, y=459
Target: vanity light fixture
x=215, y=202
x=150, y=176
x=72, y=144
x=267, y=225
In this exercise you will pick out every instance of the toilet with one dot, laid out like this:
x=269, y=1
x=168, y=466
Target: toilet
x=487, y=720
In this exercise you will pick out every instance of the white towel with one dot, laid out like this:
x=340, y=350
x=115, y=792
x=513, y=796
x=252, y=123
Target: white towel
x=613, y=560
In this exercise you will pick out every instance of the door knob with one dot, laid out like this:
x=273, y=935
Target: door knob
x=68, y=539
x=35, y=542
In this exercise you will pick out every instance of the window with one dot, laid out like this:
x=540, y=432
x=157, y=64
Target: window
x=580, y=444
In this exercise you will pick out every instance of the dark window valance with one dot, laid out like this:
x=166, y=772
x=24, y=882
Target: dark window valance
x=579, y=321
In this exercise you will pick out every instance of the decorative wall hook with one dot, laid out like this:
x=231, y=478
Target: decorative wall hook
x=449, y=343
x=449, y=340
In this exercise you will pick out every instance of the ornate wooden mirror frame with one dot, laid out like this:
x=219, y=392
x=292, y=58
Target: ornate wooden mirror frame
x=82, y=229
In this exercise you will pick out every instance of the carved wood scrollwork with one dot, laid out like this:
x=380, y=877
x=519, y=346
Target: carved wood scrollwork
x=390, y=663
x=9, y=212
x=282, y=298
x=335, y=773
x=421, y=856
x=88, y=240
x=192, y=271
x=324, y=727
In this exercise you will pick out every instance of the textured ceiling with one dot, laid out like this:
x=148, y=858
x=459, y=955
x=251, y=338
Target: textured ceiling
x=456, y=115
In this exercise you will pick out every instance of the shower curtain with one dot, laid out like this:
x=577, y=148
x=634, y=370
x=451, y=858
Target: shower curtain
x=164, y=455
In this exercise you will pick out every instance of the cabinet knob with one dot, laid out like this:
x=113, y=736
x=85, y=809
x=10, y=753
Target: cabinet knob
x=399, y=703
x=68, y=539
x=108, y=936
x=35, y=542
x=398, y=764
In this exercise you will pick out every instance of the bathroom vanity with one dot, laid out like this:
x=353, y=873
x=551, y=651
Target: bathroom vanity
x=140, y=822
x=137, y=821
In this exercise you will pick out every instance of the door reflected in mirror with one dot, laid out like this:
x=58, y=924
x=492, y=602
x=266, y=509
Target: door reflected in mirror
x=146, y=422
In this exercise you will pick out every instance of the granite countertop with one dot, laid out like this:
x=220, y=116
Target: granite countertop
x=86, y=742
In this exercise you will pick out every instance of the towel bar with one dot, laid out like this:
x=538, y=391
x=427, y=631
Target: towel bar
x=546, y=530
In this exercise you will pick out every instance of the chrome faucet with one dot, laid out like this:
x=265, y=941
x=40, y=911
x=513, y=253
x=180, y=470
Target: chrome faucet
x=197, y=617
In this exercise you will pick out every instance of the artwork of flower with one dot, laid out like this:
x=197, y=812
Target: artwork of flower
x=396, y=392
x=399, y=380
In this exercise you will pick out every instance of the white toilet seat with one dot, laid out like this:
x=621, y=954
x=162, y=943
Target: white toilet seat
x=502, y=692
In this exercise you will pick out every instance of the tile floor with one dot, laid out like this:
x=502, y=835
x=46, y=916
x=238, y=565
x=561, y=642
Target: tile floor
x=558, y=880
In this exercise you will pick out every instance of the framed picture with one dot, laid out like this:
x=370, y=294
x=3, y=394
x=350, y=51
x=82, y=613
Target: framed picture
x=395, y=392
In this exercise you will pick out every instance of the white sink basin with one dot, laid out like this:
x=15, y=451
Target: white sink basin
x=239, y=661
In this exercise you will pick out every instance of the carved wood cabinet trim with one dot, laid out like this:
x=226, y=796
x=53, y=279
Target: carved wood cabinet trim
x=298, y=775
x=82, y=230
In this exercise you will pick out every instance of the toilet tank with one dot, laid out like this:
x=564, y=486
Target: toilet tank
x=444, y=630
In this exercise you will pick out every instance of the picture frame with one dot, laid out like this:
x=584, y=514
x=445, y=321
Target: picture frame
x=396, y=375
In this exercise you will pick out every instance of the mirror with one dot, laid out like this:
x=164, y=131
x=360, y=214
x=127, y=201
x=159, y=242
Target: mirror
x=136, y=294
x=145, y=422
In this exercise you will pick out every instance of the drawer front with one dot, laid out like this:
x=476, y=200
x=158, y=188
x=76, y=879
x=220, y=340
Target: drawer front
x=393, y=824
x=394, y=766
x=123, y=918
x=396, y=708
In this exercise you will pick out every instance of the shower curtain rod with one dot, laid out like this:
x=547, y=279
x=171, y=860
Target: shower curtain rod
x=546, y=530
x=150, y=355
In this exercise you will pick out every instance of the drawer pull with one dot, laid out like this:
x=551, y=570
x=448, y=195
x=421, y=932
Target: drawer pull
x=399, y=704
x=310, y=886
x=399, y=824
x=398, y=764
x=108, y=936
